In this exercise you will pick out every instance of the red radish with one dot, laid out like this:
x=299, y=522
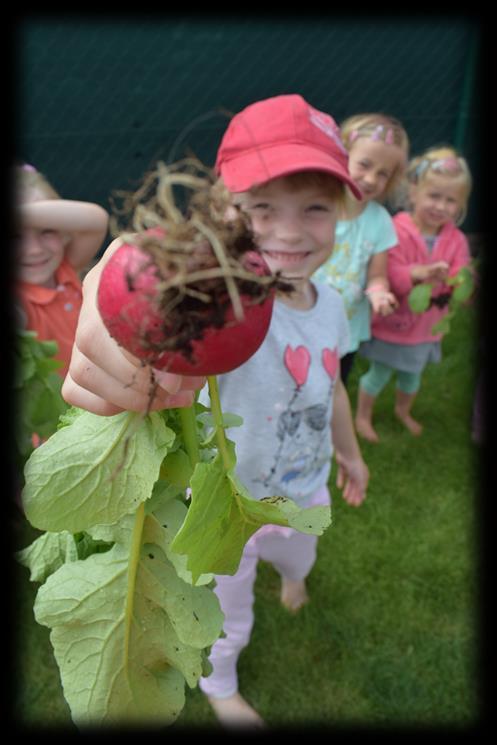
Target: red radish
x=204, y=338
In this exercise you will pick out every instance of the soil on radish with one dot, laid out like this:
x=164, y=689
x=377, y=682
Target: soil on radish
x=199, y=256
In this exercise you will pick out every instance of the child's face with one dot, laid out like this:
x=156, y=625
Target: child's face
x=372, y=164
x=436, y=201
x=39, y=254
x=294, y=229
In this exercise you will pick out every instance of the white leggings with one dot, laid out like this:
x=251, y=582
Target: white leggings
x=293, y=555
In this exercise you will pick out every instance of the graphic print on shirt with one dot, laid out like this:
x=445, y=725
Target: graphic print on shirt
x=300, y=432
x=330, y=363
x=346, y=271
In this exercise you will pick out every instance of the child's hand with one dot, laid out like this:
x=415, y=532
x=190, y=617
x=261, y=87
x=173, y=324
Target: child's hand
x=439, y=271
x=352, y=477
x=436, y=272
x=382, y=301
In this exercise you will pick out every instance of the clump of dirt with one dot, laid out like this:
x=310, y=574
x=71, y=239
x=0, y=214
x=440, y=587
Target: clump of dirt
x=199, y=250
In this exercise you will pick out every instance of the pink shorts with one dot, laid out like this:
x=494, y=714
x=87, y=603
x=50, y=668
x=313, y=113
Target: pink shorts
x=292, y=554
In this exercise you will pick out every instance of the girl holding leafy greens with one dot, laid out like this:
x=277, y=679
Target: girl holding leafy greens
x=285, y=165
x=431, y=250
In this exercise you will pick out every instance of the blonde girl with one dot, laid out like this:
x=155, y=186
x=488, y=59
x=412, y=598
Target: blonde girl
x=283, y=163
x=430, y=249
x=55, y=240
x=378, y=149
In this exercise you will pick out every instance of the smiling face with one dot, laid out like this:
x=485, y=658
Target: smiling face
x=294, y=227
x=39, y=253
x=437, y=200
x=372, y=164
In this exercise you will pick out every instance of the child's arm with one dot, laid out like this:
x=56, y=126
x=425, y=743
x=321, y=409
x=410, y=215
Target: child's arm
x=436, y=272
x=378, y=287
x=353, y=473
x=85, y=222
x=404, y=272
x=440, y=271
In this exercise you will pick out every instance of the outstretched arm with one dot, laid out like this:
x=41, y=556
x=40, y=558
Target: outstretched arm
x=353, y=473
x=378, y=287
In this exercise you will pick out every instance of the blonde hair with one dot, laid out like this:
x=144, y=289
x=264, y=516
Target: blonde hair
x=29, y=180
x=31, y=185
x=381, y=127
x=331, y=185
x=442, y=160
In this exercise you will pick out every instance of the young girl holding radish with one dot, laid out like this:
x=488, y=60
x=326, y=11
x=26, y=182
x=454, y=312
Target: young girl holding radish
x=431, y=249
x=285, y=166
x=378, y=146
x=57, y=238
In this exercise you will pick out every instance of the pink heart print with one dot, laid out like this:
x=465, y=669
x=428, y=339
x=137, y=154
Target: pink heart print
x=297, y=362
x=330, y=362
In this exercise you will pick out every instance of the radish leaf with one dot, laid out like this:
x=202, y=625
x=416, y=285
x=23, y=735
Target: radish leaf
x=47, y=553
x=222, y=517
x=419, y=298
x=127, y=632
x=94, y=471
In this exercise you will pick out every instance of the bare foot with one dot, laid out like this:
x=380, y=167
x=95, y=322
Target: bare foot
x=235, y=712
x=293, y=594
x=365, y=429
x=414, y=427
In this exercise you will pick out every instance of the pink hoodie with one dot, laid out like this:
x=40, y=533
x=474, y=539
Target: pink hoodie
x=403, y=326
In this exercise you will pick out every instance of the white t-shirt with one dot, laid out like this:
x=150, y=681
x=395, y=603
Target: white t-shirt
x=285, y=395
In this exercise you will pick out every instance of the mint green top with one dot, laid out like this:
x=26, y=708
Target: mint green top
x=356, y=241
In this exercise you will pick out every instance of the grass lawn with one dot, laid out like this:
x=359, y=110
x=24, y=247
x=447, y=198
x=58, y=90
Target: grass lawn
x=391, y=636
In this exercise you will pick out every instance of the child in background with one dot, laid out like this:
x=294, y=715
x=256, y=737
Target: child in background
x=57, y=238
x=430, y=249
x=378, y=149
x=286, y=167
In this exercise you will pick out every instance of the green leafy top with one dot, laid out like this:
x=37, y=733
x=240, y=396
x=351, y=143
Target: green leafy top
x=463, y=284
x=37, y=388
x=127, y=560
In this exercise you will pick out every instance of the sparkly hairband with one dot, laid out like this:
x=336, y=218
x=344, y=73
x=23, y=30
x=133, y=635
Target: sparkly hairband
x=386, y=134
x=449, y=165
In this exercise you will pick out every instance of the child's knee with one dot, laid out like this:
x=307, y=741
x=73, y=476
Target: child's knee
x=297, y=561
x=409, y=383
x=375, y=379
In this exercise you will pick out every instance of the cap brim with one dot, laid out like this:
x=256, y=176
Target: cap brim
x=258, y=166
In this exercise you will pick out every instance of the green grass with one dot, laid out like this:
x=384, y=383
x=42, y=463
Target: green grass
x=390, y=637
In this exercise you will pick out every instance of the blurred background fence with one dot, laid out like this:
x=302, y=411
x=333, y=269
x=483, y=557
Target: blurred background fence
x=101, y=100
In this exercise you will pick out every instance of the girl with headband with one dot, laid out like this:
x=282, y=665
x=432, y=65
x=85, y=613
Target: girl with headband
x=431, y=248
x=378, y=147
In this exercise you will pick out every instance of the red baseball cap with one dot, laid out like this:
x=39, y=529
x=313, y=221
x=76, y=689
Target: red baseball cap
x=278, y=136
